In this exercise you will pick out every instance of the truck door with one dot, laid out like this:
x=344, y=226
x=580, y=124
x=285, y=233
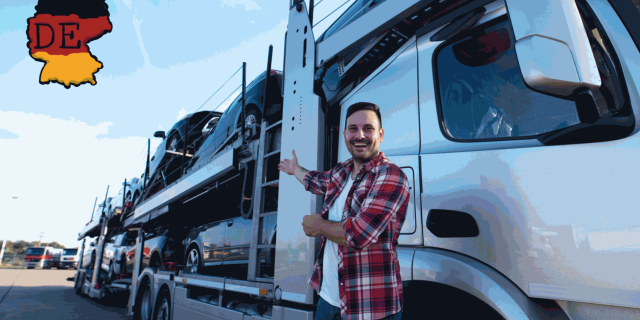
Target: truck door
x=487, y=159
x=394, y=89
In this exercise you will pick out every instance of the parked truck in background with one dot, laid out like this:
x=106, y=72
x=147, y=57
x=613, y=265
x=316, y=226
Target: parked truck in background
x=42, y=257
x=69, y=258
x=516, y=128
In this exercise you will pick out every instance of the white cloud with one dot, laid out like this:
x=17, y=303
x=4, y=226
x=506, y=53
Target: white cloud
x=182, y=113
x=58, y=167
x=248, y=4
x=252, y=22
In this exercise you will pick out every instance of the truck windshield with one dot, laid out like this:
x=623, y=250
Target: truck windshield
x=69, y=252
x=35, y=251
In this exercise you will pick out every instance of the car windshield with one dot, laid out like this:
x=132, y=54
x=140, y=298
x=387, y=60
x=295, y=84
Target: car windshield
x=35, y=251
x=70, y=252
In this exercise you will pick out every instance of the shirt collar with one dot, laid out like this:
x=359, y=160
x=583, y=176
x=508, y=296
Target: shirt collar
x=348, y=165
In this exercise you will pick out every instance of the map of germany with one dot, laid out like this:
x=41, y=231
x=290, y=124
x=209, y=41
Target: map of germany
x=58, y=36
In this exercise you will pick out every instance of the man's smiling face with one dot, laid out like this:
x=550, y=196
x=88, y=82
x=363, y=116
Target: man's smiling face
x=363, y=136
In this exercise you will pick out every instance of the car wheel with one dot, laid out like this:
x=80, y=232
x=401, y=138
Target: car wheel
x=111, y=271
x=123, y=265
x=163, y=310
x=193, y=261
x=252, y=120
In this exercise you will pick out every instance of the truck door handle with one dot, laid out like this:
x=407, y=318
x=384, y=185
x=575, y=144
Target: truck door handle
x=451, y=224
x=230, y=223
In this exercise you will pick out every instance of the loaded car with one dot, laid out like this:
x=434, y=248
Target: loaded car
x=89, y=255
x=114, y=256
x=227, y=128
x=226, y=243
x=161, y=245
x=164, y=165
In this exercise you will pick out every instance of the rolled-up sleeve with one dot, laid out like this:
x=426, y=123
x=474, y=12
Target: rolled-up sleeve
x=317, y=182
x=388, y=197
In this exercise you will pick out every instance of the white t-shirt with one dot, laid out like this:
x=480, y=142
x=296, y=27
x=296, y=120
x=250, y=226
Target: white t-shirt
x=329, y=290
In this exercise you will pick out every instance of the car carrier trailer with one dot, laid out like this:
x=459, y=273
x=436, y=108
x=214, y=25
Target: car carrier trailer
x=480, y=231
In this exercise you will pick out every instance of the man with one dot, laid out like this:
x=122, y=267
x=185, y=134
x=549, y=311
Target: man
x=357, y=273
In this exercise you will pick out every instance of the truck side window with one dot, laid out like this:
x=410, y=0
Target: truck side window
x=482, y=95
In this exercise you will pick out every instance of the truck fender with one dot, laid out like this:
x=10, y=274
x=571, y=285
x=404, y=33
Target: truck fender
x=479, y=280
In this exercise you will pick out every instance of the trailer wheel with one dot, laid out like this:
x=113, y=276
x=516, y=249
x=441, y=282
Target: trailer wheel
x=78, y=284
x=163, y=308
x=144, y=302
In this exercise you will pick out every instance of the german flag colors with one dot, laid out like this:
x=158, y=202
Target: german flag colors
x=58, y=36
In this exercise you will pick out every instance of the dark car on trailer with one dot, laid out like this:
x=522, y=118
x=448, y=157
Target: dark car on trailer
x=227, y=130
x=165, y=164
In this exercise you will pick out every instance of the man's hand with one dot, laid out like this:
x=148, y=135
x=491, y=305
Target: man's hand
x=311, y=225
x=291, y=167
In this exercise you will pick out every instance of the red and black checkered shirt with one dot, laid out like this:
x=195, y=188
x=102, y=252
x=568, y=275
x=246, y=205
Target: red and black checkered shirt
x=376, y=206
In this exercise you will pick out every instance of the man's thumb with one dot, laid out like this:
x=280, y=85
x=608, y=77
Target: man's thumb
x=293, y=152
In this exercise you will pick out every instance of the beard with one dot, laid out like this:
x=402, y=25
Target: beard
x=365, y=155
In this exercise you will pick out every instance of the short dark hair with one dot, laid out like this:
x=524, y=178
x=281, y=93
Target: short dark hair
x=363, y=106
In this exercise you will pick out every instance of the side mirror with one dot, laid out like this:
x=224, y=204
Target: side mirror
x=159, y=134
x=553, y=50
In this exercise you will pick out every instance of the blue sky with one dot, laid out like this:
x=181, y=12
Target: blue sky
x=163, y=59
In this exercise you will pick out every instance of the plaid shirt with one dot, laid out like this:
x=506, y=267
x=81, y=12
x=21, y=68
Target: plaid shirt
x=376, y=206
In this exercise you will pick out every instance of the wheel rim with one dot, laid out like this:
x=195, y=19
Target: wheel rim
x=192, y=261
x=250, y=121
x=163, y=310
x=145, y=308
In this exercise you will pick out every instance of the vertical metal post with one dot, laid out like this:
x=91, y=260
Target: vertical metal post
x=244, y=89
x=185, y=145
x=133, y=289
x=266, y=83
x=4, y=243
x=311, y=5
x=94, y=209
x=103, y=229
x=146, y=170
x=124, y=197
x=81, y=255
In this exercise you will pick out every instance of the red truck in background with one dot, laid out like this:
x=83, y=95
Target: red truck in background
x=40, y=257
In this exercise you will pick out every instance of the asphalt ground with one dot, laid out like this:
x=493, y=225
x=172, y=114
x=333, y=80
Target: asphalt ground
x=47, y=294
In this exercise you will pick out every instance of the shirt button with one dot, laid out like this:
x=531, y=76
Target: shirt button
x=342, y=284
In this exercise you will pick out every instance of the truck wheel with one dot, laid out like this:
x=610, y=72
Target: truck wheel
x=78, y=287
x=163, y=309
x=193, y=261
x=144, y=302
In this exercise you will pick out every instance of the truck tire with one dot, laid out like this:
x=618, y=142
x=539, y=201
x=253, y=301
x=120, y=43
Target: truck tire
x=163, y=307
x=78, y=285
x=144, y=304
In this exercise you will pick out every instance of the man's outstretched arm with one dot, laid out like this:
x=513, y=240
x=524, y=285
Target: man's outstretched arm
x=291, y=167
